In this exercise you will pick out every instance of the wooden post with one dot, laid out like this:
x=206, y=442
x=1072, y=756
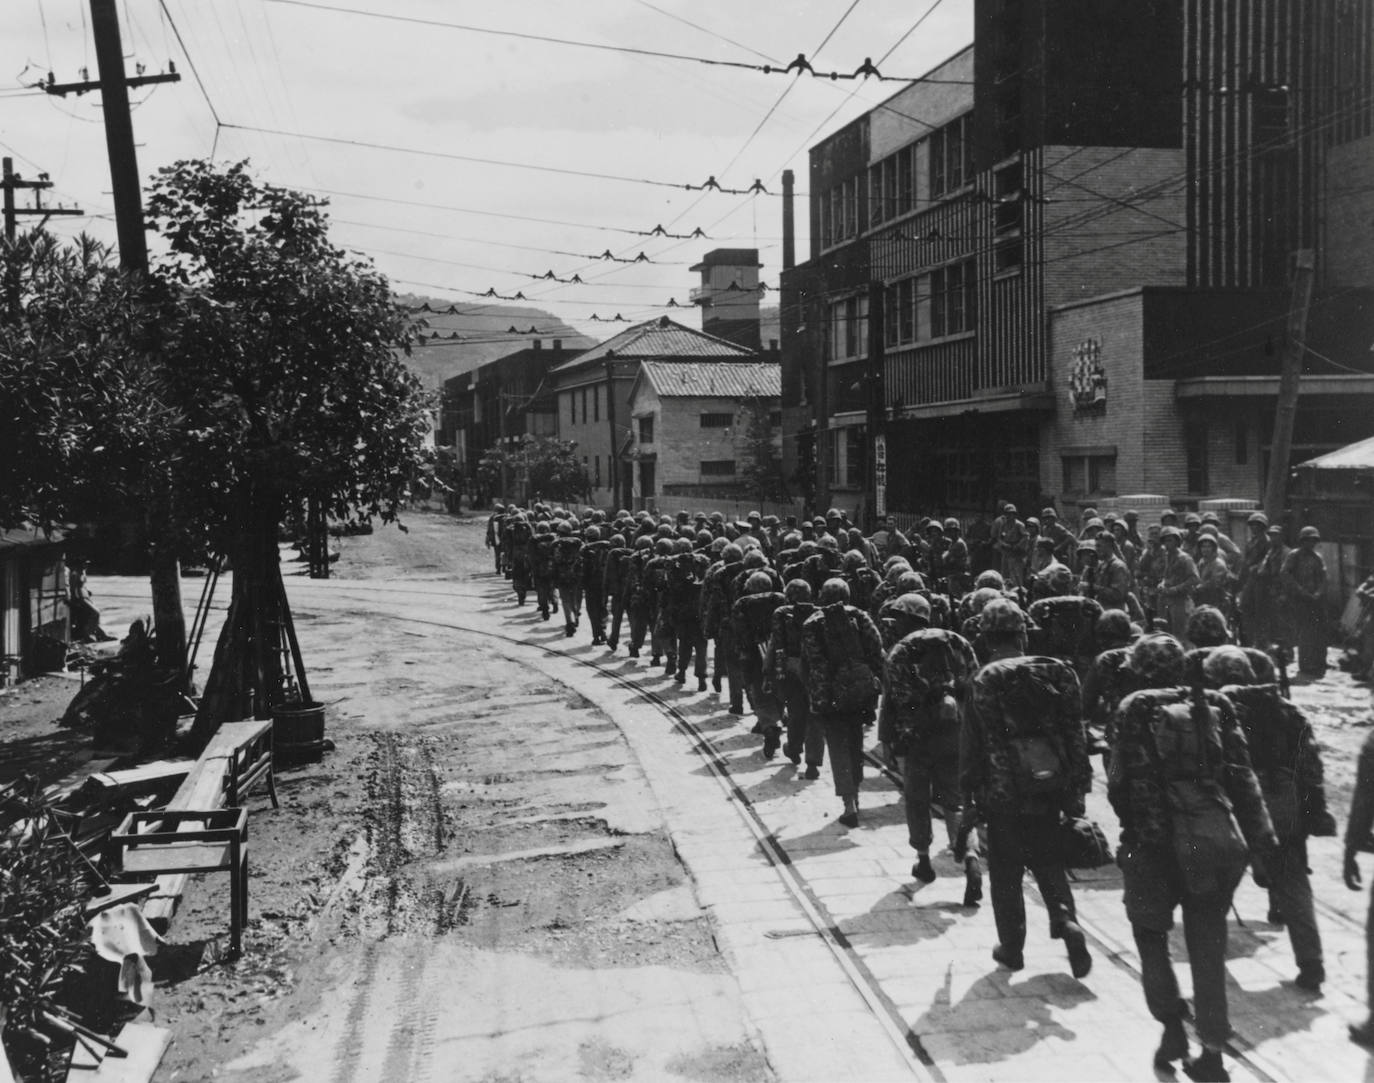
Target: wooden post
x=1295, y=343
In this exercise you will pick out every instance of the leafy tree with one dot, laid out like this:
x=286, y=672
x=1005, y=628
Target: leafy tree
x=281, y=352
x=81, y=408
x=541, y=467
x=763, y=473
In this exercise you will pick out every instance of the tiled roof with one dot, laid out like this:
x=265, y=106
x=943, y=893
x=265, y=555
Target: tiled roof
x=1357, y=456
x=659, y=338
x=707, y=379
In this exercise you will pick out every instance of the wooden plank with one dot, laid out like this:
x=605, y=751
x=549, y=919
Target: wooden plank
x=146, y=776
x=146, y=1045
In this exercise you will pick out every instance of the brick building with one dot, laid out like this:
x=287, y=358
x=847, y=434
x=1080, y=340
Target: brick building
x=1057, y=267
x=591, y=394
x=690, y=428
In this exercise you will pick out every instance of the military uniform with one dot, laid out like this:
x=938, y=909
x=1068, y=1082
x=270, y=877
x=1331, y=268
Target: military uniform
x=1304, y=577
x=567, y=577
x=594, y=555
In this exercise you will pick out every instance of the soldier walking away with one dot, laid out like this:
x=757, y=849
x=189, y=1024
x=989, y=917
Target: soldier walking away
x=1304, y=578
x=925, y=687
x=751, y=623
x=494, y=520
x=567, y=574
x=637, y=593
x=1288, y=764
x=805, y=735
x=1358, y=840
x=518, y=538
x=594, y=554
x=1189, y=804
x=1023, y=764
x=1251, y=582
x=541, y=569
x=613, y=586
x=683, y=605
x=842, y=657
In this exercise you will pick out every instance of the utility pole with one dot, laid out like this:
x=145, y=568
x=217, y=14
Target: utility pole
x=1295, y=344
x=12, y=182
x=165, y=579
x=876, y=409
x=612, y=465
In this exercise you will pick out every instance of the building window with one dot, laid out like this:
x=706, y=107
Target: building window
x=572, y=408
x=775, y=418
x=596, y=476
x=584, y=406
x=596, y=403
x=890, y=186
x=851, y=207
x=1090, y=475
x=951, y=157
x=718, y=468
x=717, y=421
x=906, y=310
x=851, y=327
x=953, y=299
x=855, y=456
x=646, y=430
x=890, y=316
x=1195, y=454
x=906, y=188
x=1008, y=255
x=876, y=213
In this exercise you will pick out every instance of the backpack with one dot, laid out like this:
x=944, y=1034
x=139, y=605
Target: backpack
x=1187, y=753
x=1029, y=704
x=854, y=686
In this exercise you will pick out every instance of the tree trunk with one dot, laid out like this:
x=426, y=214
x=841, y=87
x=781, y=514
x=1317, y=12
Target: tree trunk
x=248, y=676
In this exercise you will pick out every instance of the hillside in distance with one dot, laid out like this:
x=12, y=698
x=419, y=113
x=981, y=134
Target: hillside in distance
x=483, y=334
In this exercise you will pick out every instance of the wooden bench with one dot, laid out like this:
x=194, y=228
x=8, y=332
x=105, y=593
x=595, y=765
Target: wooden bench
x=238, y=757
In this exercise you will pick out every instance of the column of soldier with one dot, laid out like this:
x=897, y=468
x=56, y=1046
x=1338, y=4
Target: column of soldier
x=992, y=686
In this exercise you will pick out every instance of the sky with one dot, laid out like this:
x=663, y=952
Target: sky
x=324, y=81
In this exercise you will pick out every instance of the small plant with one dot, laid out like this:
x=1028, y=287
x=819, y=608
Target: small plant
x=44, y=883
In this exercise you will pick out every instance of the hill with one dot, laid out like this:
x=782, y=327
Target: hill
x=483, y=332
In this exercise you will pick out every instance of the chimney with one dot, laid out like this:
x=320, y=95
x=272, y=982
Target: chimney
x=729, y=295
x=789, y=229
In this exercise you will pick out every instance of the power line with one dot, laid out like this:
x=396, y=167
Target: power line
x=189, y=62
x=450, y=156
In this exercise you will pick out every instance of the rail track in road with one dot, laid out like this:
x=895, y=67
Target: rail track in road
x=901, y=1034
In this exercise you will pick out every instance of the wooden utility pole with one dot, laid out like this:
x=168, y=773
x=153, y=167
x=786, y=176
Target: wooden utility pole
x=612, y=461
x=1295, y=344
x=12, y=182
x=165, y=579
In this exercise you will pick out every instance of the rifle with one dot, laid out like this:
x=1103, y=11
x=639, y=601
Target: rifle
x=1281, y=656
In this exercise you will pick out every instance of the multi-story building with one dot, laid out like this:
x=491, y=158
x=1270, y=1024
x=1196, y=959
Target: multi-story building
x=1057, y=267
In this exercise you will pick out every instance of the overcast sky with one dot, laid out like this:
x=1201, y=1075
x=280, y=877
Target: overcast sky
x=299, y=68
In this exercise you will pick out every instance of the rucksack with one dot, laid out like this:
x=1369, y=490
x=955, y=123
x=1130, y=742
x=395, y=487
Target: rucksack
x=1187, y=753
x=854, y=686
x=1030, y=703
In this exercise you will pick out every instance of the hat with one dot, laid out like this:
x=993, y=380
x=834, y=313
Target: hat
x=564, y=527
x=1227, y=665
x=1258, y=518
x=1171, y=532
x=1211, y=517
x=1167, y=513
x=1009, y=507
x=1032, y=521
x=952, y=524
x=1130, y=515
x=758, y=583
x=833, y=591
x=1157, y=659
x=1207, y=627
x=911, y=605
x=1001, y=616
x=990, y=578
x=796, y=591
x=1049, y=513
x=1309, y=532
x=1192, y=519
x=1113, y=626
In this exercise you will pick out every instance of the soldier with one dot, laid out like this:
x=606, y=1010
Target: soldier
x=1214, y=575
x=1177, y=581
x=518, y=538
x=1063, y=540
x=614, y=580
x=567, y=575
x=661, y=640
x=685, y=573
x=594, y=557
x=1252, y=586
x=1304, y=578
x=1148, y=571
x=541, y=569
x=751, y=623
x=494, y=521
x=1023, y=762
x=1066, y=628
x=1288, y=764
x=956, y=559
x=805, y=736
x=862, y=579
x=1110, y=679
x=925, y=685
x=842, y=657
x=1358, y=840
x=1179, y=766
x=1012, y=545
x=1111, y=585
x=637, y=596
x=715, y=622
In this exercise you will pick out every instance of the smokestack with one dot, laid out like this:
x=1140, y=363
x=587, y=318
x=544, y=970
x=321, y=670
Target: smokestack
x=789, y=230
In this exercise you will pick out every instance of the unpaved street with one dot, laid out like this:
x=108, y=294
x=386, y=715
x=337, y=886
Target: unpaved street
x=529, y=859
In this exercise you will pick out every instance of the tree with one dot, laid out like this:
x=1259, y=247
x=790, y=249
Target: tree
x=281, y=352
x=82, y=411
x=763, y=474
x=540, y=465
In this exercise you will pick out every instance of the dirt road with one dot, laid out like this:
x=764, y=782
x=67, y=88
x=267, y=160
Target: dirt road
x=476, y=885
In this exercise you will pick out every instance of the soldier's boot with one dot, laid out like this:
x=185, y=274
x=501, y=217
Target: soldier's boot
x=850, y=816
x=973, y=881
x=922, y=870
x=772, y=737
x=1173, y=1044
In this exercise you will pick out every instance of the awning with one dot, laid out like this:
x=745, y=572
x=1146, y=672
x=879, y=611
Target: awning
x=1009, y=402
x=1211, y=387
x=1356, y=456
